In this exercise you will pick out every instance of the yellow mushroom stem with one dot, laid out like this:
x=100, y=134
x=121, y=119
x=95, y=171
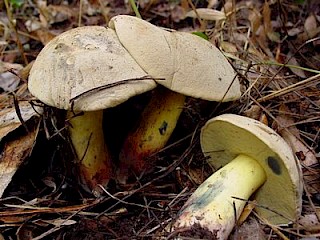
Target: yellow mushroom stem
x=88, y=141
x=212, y=209
x=157, y=122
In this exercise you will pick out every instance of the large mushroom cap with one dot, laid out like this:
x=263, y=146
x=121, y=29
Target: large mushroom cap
x=190, y=65
x=226, y=136
x=83, y=59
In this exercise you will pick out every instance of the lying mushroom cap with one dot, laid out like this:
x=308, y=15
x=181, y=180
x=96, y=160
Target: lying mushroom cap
x=190, y=65
x=225, y=137
x=80, y=60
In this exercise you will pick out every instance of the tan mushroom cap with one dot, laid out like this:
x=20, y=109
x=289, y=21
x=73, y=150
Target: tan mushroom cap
x=83, y=59
x=190, y=65
x=226, y=136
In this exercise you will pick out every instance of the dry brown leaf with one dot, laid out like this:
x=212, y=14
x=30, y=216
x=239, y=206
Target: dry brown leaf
x=207, y=14
x=13, y=154
x=292, y=136
x=9, y=120
x=212, y=3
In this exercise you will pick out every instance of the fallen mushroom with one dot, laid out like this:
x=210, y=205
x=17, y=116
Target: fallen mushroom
x=73, y=72
x=253, y=161
x=188, y=65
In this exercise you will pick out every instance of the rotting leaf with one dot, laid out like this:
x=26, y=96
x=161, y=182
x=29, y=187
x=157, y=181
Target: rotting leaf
x=13, y=154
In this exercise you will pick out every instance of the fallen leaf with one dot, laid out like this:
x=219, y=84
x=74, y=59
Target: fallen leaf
x=310, y=222
x=228, y=47
x=206, y=14
x=49, y=182
x=292, y=136
x=56, y=13
x=296, y=70
x=196, y=175
x=32, y=24
x=212, y=3
x=8, y=80
x=266, y=12
x=255, y=20
x=44, y=35
x=9, y=120
x=60, y=222
x=13, y=154
x=254, y=112
x=310, y=25
x=246, y=212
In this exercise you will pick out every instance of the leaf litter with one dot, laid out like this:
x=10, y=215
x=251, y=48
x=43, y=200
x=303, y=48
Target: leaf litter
x=273, y=45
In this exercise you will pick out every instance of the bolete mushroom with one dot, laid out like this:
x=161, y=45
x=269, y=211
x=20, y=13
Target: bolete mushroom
x=86, y=69
x=188, y=66
x=254, y=162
